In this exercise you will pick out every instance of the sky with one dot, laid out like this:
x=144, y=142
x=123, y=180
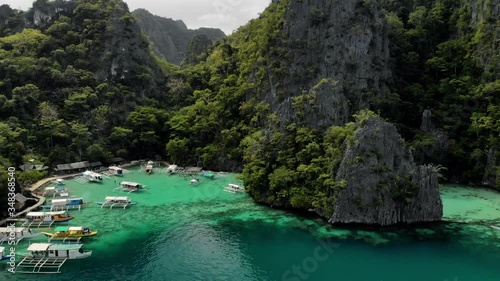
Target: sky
x=227, y=15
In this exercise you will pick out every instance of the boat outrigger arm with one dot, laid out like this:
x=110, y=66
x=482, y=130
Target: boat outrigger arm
x=116, y=203
x=44, y=265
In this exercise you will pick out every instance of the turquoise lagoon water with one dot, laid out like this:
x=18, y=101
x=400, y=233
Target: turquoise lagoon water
x=182, y=232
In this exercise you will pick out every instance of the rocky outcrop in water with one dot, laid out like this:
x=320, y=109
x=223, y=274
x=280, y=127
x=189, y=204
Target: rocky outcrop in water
x=170, y=37
x=384, y=186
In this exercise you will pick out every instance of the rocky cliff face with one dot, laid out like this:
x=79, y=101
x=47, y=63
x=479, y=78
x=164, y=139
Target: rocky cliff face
x=438, y=150
x=171, y=38
x=196, y=46
x=117, y=51
x=345, y=41
x=384, y=186
x=42, y=14
x=492, y=172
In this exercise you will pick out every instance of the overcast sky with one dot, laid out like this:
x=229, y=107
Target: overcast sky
x=227, y=15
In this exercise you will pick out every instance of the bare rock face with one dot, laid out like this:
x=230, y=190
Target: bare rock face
x=436, y=152
x=343, y=41
x=384, y=186
x=492, y=172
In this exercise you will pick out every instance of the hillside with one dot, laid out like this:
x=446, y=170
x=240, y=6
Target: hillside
x=171, y=38
x=296, y=99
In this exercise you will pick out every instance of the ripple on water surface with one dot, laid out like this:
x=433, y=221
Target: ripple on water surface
x=178, y=231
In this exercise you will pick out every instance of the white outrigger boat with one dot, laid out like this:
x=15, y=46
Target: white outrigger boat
x=130, y=186
x=48, y=258
x=65, y=251
x=116, y=201
x=495, y=227
x=149, y=167
x=17, y=233
x=55, y=191
x=233, y=188
x=46, y=219
x=115, y=171
x=65, y=204
x=92, y=176
x=58, y=182
x=171, y=169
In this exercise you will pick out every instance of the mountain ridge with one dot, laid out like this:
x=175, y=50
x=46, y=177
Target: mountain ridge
x=170, y=37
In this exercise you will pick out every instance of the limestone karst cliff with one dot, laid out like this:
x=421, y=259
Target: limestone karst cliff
x=384, y=186
x=170, y=37
x=344, y=41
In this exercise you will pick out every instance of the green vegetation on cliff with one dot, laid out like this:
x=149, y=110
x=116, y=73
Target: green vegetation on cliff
x=78, y=81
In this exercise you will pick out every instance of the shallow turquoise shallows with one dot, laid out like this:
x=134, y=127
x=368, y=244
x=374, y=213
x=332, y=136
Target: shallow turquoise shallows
x=179, y=231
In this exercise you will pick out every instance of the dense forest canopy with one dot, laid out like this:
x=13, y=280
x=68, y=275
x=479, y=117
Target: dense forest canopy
x=78, y=81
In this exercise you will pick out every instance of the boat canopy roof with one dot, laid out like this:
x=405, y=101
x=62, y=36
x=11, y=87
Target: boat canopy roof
x=90, y=173
x=130, y=183
x=58, y=201
x=234, y=185
x=75, y=228
x=39, y=247
x=116, y=198
x=50, y=188
x=63, y=247
x=37, y=214
x=115, y=168
x=2, y=249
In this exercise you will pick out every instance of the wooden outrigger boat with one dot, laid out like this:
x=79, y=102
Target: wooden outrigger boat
x=233, y=188
x=17, y=233
x=70, y=233
x=116, y=201
x=48, y=258
x=65, y=204
x=130, y=186
x=40, y=219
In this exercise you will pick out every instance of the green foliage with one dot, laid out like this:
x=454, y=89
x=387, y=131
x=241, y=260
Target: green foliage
x=68, y=92
x=446, y=61
x=27, y=178
x=177, y=150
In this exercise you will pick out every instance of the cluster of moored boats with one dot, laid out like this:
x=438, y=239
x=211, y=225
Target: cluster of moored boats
x=64, y=242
